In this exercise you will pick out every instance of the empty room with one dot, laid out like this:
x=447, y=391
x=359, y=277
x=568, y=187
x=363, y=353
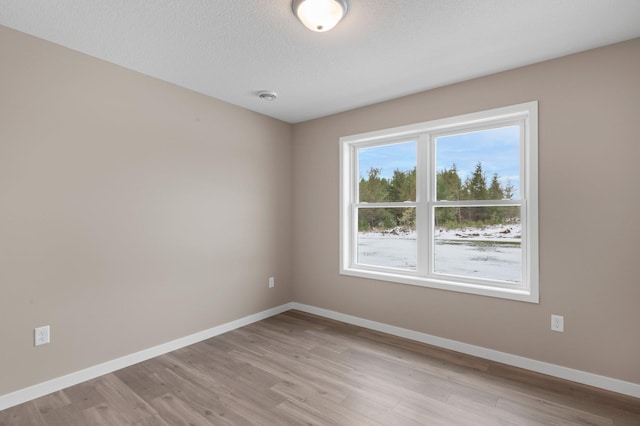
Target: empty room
x=320, y=212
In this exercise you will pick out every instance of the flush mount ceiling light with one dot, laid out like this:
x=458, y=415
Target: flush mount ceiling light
x=320, y=15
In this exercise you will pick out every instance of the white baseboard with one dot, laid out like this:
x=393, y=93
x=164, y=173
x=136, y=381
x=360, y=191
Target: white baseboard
x=54, y=385
x=595, y=380
x=45, y=388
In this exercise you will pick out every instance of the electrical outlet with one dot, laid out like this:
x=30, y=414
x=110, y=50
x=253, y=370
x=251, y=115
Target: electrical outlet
x=557, y=323
x=272, y=282
x=42, y=335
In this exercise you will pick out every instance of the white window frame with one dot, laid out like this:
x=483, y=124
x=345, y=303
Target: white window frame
x=525, y=115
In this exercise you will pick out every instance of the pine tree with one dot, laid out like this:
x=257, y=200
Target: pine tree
x=508, y=190
x=449, y=188
x=403, y=186
x=476, y=186
x=495, y=189
x=449, y=185
x=374, y=188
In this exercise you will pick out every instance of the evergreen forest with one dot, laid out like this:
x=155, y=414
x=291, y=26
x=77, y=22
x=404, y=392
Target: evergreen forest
x=401, y=187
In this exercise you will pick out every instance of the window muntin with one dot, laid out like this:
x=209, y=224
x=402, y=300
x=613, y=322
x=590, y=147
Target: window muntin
x=470, y=221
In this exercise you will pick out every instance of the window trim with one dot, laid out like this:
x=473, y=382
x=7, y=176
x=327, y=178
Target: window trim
x=525, y=112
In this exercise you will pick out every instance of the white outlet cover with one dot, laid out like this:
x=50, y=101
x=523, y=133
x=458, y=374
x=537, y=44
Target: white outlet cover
x=557, y=323
x=42, y=335
x=272, y=282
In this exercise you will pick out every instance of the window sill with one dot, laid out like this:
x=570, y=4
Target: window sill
x=518, y=294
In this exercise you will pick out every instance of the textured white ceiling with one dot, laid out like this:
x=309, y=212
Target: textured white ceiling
x=231, y=49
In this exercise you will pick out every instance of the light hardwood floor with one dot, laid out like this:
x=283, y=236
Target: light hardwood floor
x=299, y=369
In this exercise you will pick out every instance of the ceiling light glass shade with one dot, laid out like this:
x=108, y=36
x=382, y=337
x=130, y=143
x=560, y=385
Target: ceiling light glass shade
x=319, y=15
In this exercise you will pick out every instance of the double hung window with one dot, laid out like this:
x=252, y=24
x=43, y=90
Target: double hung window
x=449, y=204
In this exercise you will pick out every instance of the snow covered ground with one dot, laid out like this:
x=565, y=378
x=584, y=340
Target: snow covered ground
x=493, y=252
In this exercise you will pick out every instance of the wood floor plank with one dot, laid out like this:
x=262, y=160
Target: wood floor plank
x=301, y=369
x=52, y=401
x=553, y=412
x=84, y=395
x=23, y=415
x=202, y=397
x=102, y=415
x=179, y=413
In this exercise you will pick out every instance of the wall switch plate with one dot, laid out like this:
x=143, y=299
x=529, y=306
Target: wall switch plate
x=42, y=335
x=272, y=282
x=557, y=323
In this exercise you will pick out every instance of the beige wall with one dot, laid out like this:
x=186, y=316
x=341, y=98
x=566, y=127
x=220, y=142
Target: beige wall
x=589, y=167
x=132, y=212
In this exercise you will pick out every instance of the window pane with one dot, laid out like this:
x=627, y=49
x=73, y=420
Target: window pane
x=482, y=165
x=387, y=173
x=387, y=237
x=478, y=242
